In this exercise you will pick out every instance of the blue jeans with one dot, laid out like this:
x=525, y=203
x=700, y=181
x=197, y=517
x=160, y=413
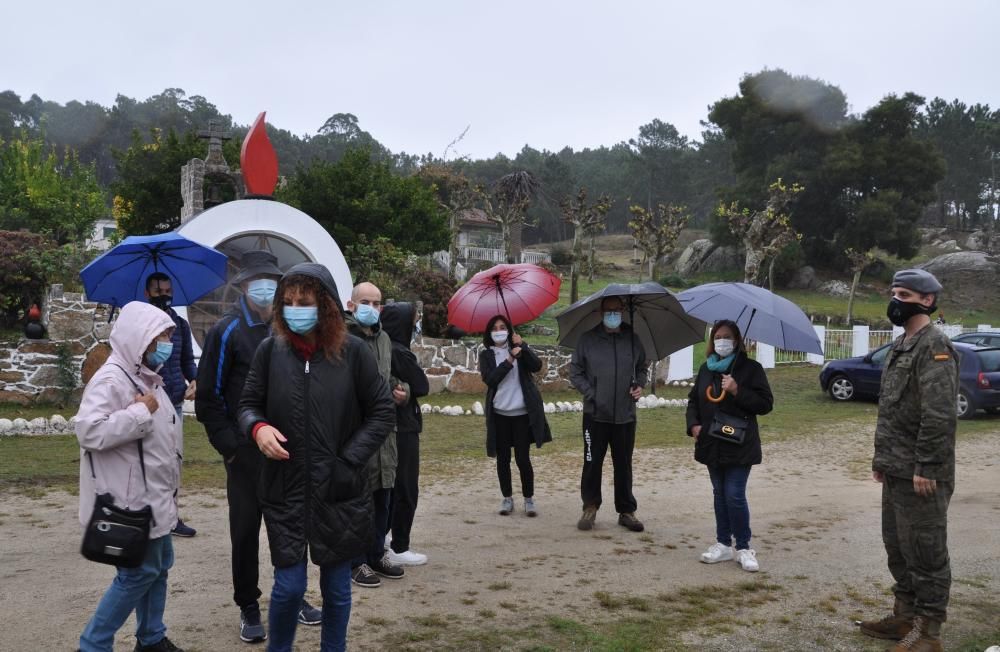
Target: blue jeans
x=732, y=512
x=286, y=601
x=143, y=589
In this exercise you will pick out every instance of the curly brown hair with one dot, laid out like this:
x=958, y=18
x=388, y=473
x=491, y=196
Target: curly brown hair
x=331, y=331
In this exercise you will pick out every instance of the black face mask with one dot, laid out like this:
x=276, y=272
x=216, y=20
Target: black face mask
x=162, y=302
x=899, y=312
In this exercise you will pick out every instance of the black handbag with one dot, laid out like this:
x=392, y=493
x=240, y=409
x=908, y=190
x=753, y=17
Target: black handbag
x=114, y=535
x=728, y=427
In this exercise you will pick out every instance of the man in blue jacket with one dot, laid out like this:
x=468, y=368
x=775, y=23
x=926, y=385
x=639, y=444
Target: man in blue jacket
x=179, y=371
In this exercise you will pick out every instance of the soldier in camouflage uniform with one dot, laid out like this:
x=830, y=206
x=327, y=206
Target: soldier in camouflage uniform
x=915, y=462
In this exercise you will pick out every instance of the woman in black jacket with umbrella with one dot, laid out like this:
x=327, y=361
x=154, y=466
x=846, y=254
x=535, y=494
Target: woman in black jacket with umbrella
x=317, y=408
x=731, y=390
x=515, y=416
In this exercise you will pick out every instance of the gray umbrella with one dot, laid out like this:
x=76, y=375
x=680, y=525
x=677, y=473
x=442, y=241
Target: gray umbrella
x=761, y=315
x=657, y=318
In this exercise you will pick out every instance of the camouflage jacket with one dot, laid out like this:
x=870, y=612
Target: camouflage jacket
x=917, y=416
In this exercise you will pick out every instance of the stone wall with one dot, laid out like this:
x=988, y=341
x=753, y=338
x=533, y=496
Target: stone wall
x=453, y=366
x=30, y=371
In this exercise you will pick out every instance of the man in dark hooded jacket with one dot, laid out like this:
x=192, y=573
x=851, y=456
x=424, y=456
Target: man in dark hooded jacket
x=399, y=321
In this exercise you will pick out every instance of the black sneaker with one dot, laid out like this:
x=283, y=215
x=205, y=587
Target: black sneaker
x=163, y=645
x=183, y=530
x=310, y=615
x=386, y=568
x=251, y=629
x=363, y=576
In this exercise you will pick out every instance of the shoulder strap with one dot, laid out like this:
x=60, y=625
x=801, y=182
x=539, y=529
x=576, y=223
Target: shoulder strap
x=142, y=460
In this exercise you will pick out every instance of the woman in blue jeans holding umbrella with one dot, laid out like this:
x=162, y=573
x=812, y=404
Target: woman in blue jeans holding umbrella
x=731, y=390
x=318, y=409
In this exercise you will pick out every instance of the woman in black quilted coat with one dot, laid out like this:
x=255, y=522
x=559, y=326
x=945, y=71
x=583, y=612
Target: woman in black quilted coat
x=317, y=408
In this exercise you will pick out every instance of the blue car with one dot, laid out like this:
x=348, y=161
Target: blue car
x=978, y=377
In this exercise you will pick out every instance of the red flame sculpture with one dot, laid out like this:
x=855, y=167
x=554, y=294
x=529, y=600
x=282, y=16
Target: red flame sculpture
x=258, y=162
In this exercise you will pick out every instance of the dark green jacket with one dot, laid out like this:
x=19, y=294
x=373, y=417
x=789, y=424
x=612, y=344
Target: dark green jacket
x=382, y=467
x=917, y=412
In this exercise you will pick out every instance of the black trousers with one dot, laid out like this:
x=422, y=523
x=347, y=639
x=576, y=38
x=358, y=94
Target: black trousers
x=597, y=437
x=244, y=523
x=406, y=490
x=514, y=432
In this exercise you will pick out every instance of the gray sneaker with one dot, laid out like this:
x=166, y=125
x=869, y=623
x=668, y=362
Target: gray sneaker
x=529, y=507
x=364, y=577
x=251, y=629
x=507, y=506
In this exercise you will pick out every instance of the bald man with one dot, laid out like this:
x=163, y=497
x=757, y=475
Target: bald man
x=363, y=320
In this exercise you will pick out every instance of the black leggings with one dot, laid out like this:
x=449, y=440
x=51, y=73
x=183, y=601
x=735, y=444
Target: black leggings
x=514, y=432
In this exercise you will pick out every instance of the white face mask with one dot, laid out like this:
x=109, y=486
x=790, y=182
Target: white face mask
x=499, y=337
x=724, y=347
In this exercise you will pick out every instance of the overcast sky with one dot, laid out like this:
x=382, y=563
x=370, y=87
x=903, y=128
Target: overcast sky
x=581, y=73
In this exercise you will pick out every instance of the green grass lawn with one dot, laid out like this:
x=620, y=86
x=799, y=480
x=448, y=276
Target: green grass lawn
x=40, y=464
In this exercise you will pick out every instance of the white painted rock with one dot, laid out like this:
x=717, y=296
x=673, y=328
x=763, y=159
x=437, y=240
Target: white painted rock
x=468, y=413
x=436, y=409
x=549, y=408
x=39, y=424
x=58, y=423
x=425, y=408
x=477, y=408
x=20, y=425
x=6, y=426
x=578, y=406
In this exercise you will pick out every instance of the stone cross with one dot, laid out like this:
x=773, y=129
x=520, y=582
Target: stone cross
x=215, y=136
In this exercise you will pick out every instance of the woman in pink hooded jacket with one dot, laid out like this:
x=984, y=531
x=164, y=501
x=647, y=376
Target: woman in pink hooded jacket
x=122, y=405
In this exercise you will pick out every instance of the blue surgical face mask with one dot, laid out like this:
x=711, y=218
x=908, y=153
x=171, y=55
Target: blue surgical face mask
x=161, y=354
x=261, y=291
x=366, y=315
x=301, y=319
x=612, y=319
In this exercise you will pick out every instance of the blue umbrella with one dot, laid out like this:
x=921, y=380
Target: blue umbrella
x=762, y=315
x=119, y=275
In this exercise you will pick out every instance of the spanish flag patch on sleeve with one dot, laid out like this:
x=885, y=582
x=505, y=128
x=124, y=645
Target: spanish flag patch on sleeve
x=941, y=357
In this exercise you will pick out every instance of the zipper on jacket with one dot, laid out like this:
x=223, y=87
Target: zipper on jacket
x=308, y=470
x=614, y=388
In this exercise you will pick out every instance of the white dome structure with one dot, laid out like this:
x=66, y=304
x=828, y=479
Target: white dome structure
x=245, y=224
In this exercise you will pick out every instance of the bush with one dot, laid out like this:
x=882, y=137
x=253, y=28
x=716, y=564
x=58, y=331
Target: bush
x=561, y=256
x=434, y=289
x=23, y=274
x=675, y=281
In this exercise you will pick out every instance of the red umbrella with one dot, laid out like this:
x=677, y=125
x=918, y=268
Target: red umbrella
x=521, y=292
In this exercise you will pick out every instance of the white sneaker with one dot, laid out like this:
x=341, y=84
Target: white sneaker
x=407, y=558
x=747, y=559
x=716, y=553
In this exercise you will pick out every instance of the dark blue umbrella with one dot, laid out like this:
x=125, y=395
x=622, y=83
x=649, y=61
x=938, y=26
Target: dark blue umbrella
x=119, y=275
x=762, y=315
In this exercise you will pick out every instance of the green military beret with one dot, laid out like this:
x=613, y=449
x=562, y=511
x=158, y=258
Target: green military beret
x=918, y=280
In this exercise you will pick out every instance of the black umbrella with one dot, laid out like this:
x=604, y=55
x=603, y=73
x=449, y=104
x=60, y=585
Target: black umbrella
x=655, y=314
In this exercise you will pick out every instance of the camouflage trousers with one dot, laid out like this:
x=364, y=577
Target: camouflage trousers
x=915, y=533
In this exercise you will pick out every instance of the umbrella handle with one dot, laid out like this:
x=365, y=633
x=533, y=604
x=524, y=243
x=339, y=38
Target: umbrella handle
x=714, y=399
